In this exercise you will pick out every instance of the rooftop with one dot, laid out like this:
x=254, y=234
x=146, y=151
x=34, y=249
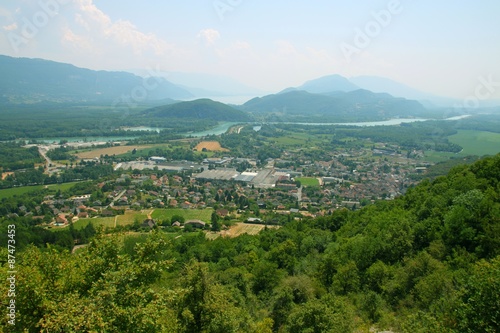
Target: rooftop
x=220, y=174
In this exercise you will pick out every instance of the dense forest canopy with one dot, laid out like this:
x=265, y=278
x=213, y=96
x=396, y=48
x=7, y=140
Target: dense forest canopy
x=14, y=157
x=428, y=261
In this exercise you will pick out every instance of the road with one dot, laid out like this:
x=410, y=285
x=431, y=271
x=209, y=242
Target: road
x=117, y=198
x=299, y=194
x=50, y=166
x=235, y=129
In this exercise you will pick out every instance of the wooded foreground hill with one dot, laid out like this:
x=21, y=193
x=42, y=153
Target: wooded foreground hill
x=426, y=262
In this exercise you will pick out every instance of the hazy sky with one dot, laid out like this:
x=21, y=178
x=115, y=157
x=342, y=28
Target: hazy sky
x=450, y=48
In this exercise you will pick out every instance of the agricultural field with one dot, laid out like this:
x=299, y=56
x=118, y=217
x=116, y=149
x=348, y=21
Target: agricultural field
x=243, y=228
x=210, y=146
x=111, y=222
x=188, y=214
x=239, y=229
x=130, y=216
x=118, y=150
x=477, y=142
x=308, y=181
x=9, y=192
x=439, y=156
x=147, y=150
x=296, y=140
x=105, y=222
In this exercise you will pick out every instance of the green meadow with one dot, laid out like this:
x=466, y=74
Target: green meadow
x=308, y=181
x=188, y=214
x=105, y=222
x=9, y=192
x=477, y=142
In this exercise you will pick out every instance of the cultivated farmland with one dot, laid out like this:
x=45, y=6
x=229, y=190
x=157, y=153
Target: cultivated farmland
x=117, y=150
x=188, y=214
x=210, y=146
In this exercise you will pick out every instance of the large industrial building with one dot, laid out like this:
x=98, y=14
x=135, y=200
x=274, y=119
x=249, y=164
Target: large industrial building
x=265, y=178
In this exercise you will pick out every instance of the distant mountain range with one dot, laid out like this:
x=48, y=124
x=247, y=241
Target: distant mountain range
x=332, y=97
x=332, y=83
x=26, y=80
x=326, y=84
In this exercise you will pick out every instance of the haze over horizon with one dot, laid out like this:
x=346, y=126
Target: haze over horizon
x=440, y=48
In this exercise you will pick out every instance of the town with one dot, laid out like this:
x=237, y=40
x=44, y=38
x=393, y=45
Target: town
x=142, y=190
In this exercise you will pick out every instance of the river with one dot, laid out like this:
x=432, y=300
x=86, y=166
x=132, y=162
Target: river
x=390, y=122
x=223, y=127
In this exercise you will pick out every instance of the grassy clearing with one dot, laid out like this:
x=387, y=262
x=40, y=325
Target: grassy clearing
x=212, y=235
x=288, y=141
x=130, y=216
x=296, y=139
x=146, y=150
x=242, y=228
x=439, y=156
x=188, y=214
x=477, y=142
x=308, y=181
x=105, y=222
x=239, y=229
x=9, y=192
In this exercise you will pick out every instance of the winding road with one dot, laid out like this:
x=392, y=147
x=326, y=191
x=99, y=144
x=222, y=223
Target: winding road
x=50, y=166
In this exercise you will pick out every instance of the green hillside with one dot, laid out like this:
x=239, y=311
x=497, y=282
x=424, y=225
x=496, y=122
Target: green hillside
x=199, y=109
x=358, y=105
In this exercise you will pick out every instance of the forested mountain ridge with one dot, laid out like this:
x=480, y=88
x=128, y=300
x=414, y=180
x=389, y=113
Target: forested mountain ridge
x=30, y=81
x=198, y=109
x=428, y=261
x=357, y=105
